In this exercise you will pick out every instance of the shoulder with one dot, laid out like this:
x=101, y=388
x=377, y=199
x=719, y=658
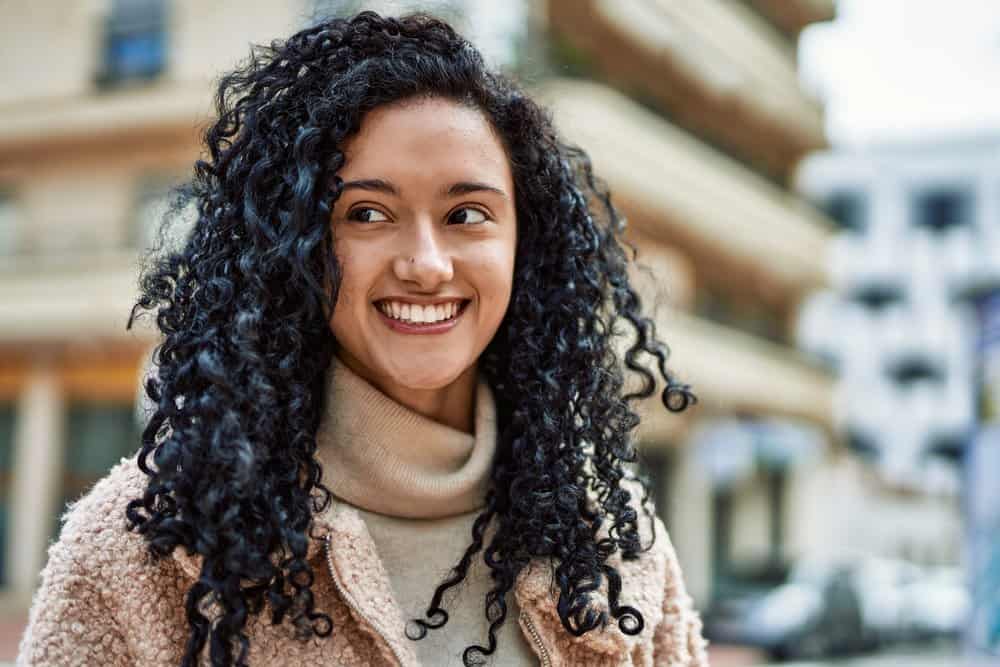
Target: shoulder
x=651, y=583
x=656, y=584
x=76, y=612
x=94, y=540
x=647, y=574
x=650, y=576
x=98, y=554
x=97, y=516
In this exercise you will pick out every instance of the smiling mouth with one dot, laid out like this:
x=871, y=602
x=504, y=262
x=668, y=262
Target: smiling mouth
x=417, y=315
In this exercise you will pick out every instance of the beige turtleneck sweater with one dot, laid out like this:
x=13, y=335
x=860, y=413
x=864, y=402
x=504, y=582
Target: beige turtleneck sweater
x=419, y=485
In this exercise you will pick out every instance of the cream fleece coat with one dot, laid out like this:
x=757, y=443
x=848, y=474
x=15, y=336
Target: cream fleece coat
x=104, y=601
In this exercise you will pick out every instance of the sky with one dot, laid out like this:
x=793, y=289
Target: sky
x=905, y=69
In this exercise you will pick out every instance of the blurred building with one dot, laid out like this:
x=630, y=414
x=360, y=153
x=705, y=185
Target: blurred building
x=911, y=324
x=691, y=111
x=918, y=237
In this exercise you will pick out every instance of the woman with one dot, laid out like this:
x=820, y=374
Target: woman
x=387, y=356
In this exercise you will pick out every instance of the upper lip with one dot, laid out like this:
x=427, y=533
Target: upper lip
x=423, y=300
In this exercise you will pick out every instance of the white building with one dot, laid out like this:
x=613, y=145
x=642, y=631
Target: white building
x=920, y=232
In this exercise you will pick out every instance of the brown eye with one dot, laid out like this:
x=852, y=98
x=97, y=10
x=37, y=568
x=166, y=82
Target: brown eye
x=359, y=215
x=465, y=219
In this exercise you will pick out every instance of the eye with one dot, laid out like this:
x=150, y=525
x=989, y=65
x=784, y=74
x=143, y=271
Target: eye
x=354, y=215
x=466, y=220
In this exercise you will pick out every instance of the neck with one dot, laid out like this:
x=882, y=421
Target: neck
x=385, y=457
x=452, y=405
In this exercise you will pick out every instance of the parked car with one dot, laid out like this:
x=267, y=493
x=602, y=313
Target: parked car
x=880, y=584
x=902, y=601
x=938, y=604
x=833, y=607
x=815, y=613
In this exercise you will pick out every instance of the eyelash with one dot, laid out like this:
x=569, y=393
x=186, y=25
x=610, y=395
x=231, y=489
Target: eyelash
x=369, y=208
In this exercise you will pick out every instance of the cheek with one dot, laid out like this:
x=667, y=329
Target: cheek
x=494, y=269
x=356, y=280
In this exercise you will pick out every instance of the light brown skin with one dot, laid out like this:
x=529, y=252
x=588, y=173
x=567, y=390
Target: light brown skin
x=422, y=243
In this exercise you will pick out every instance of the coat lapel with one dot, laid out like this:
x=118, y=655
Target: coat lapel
x=356, y=568
x=354, y=563
x=538, y=601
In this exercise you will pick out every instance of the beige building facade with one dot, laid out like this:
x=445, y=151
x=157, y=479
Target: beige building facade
x=691, y=111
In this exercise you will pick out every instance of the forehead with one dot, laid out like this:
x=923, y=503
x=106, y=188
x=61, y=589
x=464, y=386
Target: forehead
x=425, y=140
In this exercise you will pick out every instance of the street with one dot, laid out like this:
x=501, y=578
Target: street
x=944, y=655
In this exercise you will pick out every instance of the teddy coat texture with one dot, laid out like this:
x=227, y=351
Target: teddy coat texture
x=103, y=600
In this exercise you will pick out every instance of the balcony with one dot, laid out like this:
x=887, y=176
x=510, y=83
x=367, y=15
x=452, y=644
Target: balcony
x=794, y=15
x=718, y=68
x=741, y=232
x=165, y=108
x=76, y=297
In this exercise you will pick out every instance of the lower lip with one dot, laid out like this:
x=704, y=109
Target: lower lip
x=408, y=328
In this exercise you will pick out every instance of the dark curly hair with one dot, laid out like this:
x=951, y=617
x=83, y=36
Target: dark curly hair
x=244, y=304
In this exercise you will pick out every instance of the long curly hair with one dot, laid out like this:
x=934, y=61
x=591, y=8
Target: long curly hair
x=244, y=304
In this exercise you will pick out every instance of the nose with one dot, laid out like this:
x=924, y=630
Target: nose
x=425, y=261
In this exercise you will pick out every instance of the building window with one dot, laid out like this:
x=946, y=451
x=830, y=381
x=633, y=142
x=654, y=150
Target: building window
x=911, y=368
x=154, y=207
x=722, y=530
x=848, y=208
x=878, y=298
x=8, y=224
x=98, y=436
x=941, y=209
x=151, y=205
x=135, y=42
x=863, y=445
x=776, y=480
x=950, y=447
x=323, y=9
x=755, y=318
x=7, y=416
x=735, y=577
x=658, y=461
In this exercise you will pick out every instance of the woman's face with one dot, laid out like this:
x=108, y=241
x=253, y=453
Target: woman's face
x=425, y=231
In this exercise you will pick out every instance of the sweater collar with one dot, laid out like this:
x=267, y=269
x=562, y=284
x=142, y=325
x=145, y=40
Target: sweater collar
x=364, y=445
x=381, y=456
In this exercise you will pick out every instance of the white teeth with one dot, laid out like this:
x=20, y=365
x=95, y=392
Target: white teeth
x=419, y=314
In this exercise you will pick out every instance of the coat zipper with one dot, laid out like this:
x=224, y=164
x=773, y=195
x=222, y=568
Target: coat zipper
x=542, y=651
x=350, y=601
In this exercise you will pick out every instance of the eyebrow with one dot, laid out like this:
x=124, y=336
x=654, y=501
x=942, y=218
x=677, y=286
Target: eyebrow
x=453, y=190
